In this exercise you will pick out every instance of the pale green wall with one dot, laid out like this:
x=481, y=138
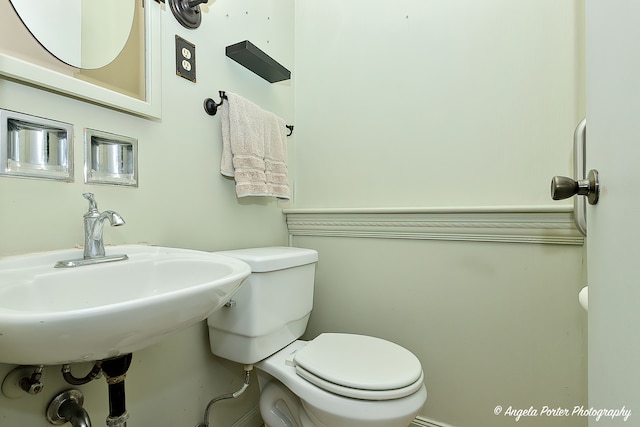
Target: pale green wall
x=398, y=104
x=447, y=103
x=492, y=323
x=435, y=103
x=182, y=201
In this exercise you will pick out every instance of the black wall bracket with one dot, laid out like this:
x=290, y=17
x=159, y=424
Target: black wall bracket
x=187, y=12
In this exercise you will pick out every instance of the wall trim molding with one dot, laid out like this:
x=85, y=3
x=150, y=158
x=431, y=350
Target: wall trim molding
x=504, y=224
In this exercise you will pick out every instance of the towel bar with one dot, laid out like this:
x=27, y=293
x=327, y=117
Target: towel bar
x=211, y=107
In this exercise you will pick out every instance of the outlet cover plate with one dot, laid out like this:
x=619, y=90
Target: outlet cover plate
x=185, y=59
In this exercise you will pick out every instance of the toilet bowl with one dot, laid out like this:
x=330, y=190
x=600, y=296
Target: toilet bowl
x=328, y=406
x=335, y=379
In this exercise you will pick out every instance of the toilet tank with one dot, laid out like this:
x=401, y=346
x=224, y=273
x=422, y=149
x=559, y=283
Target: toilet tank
x=272, y=307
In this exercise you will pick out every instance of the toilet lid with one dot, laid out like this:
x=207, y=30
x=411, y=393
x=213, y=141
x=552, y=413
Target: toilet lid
x=359, y=366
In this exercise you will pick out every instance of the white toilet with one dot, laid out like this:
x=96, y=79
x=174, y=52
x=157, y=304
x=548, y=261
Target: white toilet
x=333, y=380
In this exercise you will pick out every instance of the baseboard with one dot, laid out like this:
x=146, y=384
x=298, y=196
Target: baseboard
x=250, y=419
x=424, y=422
x=253, y=419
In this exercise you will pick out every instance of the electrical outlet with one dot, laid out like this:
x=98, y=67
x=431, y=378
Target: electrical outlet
x=185, y=59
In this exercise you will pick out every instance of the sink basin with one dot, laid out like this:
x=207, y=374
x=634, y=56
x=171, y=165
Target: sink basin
x=50, y=316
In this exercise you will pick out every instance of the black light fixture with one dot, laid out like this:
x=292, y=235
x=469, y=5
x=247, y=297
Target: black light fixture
x=187, y=12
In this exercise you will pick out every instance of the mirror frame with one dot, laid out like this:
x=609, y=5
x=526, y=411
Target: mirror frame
x=68, y=85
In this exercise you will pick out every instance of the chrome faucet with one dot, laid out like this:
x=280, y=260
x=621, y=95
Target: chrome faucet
x=93, y=243
x=93, y=225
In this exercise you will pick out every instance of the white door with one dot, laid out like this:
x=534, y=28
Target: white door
x=613, y=242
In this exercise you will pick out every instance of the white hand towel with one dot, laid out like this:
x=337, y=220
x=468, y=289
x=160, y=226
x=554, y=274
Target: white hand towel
x=253, y=149
x=276, y=170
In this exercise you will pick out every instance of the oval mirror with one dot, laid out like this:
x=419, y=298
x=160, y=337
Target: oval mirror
x=85, y=34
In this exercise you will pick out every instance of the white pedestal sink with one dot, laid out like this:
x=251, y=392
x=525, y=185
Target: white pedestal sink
x=51, y=316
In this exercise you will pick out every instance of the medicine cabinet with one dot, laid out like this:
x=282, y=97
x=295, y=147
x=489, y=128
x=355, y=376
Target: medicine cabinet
x=23, y=59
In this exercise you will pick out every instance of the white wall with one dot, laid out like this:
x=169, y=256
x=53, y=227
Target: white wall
x=415, y=120
x=182, y=200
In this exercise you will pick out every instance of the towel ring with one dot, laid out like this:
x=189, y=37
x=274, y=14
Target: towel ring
x=211, y=107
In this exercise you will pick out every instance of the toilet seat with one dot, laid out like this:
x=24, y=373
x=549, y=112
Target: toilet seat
x=359, y=366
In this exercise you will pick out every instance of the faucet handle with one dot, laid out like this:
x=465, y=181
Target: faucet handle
x=93, y=206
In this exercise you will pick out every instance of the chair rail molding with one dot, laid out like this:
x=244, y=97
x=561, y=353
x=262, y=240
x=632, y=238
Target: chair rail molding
x=504, y=224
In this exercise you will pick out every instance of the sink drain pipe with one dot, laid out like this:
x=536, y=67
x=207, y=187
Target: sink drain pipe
x=115, y=371
x=247, y=375
x=71, y=379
